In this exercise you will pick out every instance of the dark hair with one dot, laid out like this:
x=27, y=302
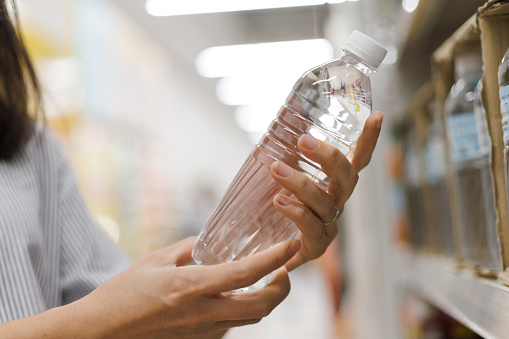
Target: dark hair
x=20, y=95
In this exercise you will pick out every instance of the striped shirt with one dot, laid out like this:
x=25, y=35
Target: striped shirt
x=51, y=251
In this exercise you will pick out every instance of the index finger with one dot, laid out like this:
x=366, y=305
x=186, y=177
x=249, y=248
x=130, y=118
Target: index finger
x=365, y=145
x=247, y=271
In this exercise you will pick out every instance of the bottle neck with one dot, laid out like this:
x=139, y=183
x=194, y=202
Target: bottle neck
x=357, y=62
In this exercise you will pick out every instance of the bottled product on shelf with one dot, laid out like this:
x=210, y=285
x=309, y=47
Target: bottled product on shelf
x=486, y=177
x=330, y=102
x=503, y=81
x=439, y=209
x=469, y=165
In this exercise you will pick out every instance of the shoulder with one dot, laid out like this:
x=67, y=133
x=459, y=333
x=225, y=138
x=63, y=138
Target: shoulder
x=44, y=143
x=45, y=153
x=43, y=137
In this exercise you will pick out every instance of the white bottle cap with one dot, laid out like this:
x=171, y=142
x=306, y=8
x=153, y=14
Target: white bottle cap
x=365, y=48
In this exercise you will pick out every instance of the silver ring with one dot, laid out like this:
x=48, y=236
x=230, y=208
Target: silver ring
x=335, y=217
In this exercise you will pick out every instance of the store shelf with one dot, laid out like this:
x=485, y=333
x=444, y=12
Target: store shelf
x=479, y=303
x=431, y=23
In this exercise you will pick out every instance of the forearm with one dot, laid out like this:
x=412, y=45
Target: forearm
x=57, y=322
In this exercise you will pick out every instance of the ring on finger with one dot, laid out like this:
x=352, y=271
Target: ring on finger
x=335, y=217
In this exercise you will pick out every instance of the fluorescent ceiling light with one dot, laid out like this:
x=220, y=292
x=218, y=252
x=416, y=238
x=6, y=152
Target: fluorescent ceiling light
x=260, y=76
x=300, y=55
x=184, y=7
x=410, y=5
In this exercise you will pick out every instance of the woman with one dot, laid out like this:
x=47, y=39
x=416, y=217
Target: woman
x=61, y=277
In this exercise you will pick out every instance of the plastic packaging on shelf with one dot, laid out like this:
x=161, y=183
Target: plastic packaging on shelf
x=486, y=177
x=330, y=102
x=472, y=184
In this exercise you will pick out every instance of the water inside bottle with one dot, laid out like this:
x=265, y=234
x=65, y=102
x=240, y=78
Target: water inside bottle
x=331, y=103
x=472, y=196
x=472, y=179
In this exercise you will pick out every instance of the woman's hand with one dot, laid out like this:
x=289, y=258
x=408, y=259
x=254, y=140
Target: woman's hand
x=315, y=211
x=158, y=297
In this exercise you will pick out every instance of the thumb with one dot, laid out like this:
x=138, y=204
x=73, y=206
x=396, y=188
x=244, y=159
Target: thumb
x=247, y=271
x=365, y=145
x=178, y=254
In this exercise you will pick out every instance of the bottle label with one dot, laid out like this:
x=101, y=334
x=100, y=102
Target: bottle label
x=463, y=137
x=354, y=98
x=504, y=110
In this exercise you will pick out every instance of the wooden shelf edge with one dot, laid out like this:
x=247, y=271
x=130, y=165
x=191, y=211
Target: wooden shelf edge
x=479, y=303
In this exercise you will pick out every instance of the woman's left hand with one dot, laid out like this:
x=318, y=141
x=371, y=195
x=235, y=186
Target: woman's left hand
x=315, y=211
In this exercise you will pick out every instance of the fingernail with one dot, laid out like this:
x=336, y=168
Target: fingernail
x=294, y=247
x=379, y=120
x=309, y=142
x=283, y=200
x=283, y=170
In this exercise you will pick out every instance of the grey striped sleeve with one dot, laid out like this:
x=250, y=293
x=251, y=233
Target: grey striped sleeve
x=51, y=251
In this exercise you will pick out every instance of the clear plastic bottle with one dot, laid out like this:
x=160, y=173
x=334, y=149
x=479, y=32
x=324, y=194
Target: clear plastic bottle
x=330, y=102
x=486, y=178
x=503, y=81
x=467, y=161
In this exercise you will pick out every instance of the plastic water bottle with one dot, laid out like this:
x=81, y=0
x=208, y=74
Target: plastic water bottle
x=486, y=179
x=503, y=81
x=470, y=165
x=330, y=102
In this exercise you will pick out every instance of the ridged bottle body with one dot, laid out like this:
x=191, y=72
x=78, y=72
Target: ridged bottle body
x=487, y=180
x=472, y=178
x=330, y=102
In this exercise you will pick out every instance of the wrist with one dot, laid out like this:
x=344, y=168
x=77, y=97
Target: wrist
x=69, y=321
x=55, y=323
x=85, y=320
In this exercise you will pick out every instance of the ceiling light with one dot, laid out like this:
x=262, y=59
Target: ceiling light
x=169, y=8
x=410, y=5
x=222, y=61
x=260, y=76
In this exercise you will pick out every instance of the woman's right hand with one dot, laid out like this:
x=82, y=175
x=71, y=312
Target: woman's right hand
x=159, y=297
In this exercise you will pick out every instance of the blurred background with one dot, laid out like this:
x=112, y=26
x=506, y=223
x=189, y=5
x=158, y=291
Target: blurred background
x=158, y=107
